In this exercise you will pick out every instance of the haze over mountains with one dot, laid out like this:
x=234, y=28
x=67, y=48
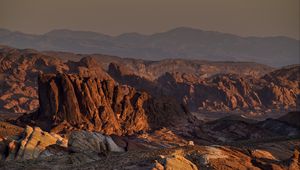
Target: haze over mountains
x=182, y=42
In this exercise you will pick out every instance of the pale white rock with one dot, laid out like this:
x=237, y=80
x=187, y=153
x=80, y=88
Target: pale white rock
x=85, y=141
x=213, y=152
x=33, y=143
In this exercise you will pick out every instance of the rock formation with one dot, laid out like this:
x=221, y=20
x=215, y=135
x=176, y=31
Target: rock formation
x=72, y=101
x=175, y=162
x=220, y=92
x=31, y=145
x=84, y=141
x=19, y=70
x=236, y=128
x=93, y=150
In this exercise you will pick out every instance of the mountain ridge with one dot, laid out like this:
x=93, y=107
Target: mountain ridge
x=181, y=42
x=143, y=34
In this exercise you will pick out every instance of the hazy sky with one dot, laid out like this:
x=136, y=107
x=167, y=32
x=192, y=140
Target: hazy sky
x=242, y=17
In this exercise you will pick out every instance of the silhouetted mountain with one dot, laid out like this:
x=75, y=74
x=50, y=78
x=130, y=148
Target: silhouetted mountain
x=180, y=42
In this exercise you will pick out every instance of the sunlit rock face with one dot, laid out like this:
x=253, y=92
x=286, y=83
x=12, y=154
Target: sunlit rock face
x=76, y=102
x=32, y=144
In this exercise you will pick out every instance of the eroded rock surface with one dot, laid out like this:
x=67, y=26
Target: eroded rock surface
x=84, y=141
x=174, y=162
x=19, y=70
x=30, y=146
x=278, y=90
x=72, y=101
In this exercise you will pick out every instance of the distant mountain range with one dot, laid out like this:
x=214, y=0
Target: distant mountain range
x=180, y=42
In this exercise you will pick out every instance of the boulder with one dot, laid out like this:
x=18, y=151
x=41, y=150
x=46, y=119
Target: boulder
x=174, y=162
x=85, y=141
x=261, y=154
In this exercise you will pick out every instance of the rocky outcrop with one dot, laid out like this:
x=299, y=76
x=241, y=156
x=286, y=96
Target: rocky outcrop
x=31, y=145
x=236, y=128
x=19, y=70
x=275, y=96
x=185, y=157
x=90, y=104
x=261, y=154
x=34, y=143
x=220, y=92
x=87, y=67
x=174, y=162
x=224, y=92
x=84, y=141
x=73, y=101
x=8, y=130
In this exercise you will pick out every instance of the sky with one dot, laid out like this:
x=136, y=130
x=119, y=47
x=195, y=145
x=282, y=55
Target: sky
x=113, y=17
